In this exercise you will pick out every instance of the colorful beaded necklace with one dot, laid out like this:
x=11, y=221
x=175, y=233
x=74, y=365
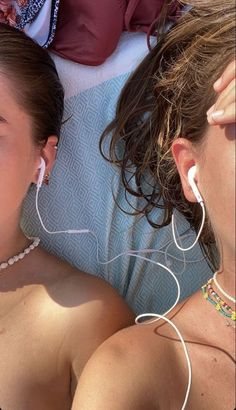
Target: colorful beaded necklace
x=220, y=305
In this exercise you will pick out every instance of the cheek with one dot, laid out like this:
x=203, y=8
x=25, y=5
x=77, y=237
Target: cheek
x=216, y=179
x=16, y=174
x=217, y=183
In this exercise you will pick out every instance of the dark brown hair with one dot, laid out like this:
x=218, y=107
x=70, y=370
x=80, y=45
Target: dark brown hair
x=168, y=97
x=34, y=80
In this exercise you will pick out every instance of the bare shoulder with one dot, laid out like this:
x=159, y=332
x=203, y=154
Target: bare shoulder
x=145, y=360
x=79, y=296
x=87, y=309
x=127, y=371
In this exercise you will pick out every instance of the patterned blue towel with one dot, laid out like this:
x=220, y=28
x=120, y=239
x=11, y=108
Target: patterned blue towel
x=80, y=195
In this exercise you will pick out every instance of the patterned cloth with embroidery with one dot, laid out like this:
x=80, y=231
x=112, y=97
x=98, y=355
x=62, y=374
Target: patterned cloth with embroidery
x=38, y=18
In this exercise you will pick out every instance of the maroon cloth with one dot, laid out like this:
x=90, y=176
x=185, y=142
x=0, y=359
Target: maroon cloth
x=140, y=14
x=88, y=30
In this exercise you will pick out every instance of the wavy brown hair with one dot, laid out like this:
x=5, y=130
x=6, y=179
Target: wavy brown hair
x=167, y=97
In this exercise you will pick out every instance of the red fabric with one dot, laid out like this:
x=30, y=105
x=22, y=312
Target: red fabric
x=140, y=14
x=88, y=31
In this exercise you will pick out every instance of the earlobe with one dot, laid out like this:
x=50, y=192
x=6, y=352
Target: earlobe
x=185, y=157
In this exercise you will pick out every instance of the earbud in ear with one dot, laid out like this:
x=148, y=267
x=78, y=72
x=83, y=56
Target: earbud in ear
x=42, y=168
x=192, y=183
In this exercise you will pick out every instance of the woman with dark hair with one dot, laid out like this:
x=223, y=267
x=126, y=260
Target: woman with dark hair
x=162, y=130
x=52, y=316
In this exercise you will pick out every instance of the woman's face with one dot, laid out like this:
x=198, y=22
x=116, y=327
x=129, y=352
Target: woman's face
x=215, y=177
x=216, y=182
x=19, y=155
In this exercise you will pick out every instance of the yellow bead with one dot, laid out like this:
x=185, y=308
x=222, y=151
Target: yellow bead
x=233, y=316
x=218, y=307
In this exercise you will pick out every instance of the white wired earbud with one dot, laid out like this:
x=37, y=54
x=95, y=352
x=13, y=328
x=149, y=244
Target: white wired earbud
x=191, y=175
x=192, y=183
x=191, y=179
x=41, y=168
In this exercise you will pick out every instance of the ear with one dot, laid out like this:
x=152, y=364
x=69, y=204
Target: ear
x=185, y=157
x=48, y=153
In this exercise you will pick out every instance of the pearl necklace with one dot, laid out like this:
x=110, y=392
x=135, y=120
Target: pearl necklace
x=222, y=290
x=21, y=255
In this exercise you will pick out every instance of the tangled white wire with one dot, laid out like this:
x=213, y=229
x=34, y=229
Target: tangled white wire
x=133, y=253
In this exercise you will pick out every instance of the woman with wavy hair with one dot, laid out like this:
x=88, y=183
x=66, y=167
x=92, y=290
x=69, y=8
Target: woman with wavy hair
x=162, y=130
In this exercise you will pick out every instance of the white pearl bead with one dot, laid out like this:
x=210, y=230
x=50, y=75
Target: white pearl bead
x=4, y=265
x=21, y=255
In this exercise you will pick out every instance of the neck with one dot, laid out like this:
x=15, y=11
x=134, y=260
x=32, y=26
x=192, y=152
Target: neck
x=12, y=242
x=226, y=279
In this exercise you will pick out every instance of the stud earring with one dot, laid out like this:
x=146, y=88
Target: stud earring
x=46, y=179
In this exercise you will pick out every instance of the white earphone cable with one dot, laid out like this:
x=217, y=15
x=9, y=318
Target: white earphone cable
x=158, y=317
x=199, y=232
x=133, y=253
